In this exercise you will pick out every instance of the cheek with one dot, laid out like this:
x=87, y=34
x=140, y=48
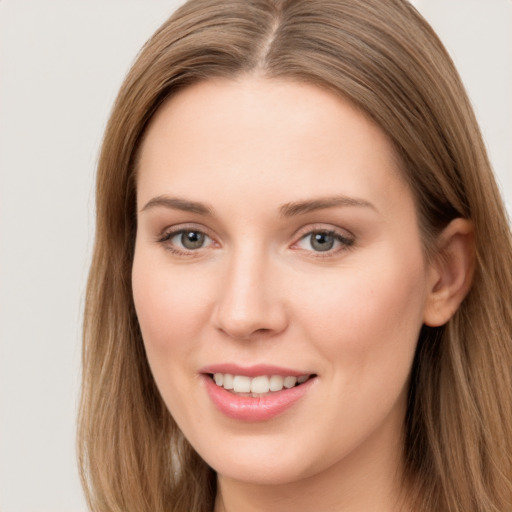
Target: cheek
x=366, y=318
x=168, y=304
x=171, y=312
x=364, y=323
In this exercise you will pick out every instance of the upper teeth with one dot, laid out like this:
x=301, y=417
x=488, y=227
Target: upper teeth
x=260, y=384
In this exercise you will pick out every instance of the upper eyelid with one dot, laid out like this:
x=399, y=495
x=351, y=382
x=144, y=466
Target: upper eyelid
x=342, y=240
x=178, y=228
x=172, y=233
x=321, y=227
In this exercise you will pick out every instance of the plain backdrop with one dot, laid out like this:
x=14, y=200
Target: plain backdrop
x=61, y=63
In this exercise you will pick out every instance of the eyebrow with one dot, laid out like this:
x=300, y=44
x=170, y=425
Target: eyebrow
x=177, y=203
x=302, y=207
x=286, y=210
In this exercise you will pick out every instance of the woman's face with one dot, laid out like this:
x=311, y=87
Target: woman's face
x=278, y=242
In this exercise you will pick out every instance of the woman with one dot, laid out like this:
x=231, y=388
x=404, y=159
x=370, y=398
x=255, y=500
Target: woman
x=300, y=291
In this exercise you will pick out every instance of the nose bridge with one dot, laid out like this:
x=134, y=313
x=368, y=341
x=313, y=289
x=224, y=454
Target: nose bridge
x=249, y=300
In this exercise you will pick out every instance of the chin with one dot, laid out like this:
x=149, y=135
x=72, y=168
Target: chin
x=263, y=473
x=263, y=461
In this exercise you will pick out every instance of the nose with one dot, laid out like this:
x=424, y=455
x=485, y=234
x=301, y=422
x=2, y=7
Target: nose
x=250, y=301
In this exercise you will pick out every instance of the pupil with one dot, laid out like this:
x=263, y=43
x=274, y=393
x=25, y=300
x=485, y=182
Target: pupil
x=192, y=240
x=322, y=241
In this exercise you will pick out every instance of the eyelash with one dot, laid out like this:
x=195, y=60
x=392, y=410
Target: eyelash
x=344, y=243
x=167, y=236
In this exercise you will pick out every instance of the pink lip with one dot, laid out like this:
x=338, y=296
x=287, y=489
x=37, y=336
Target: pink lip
x=252, y=371
x=252, y=409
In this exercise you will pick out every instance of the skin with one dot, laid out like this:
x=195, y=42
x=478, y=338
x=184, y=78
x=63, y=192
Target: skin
x=258, y=292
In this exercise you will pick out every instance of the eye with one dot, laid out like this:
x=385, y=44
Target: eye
x=324, y=241
x=186, y=240
x=190, y=239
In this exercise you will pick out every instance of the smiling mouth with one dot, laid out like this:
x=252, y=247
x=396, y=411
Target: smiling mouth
x=256, y=386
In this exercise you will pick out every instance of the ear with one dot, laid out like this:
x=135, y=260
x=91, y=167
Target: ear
x=451, y=272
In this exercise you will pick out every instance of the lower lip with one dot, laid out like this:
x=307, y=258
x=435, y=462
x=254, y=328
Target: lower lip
x=246, y=408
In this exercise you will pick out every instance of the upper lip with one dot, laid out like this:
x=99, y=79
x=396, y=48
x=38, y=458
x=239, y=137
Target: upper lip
x=253, y=370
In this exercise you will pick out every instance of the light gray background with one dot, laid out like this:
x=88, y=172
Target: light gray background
x=61, y=63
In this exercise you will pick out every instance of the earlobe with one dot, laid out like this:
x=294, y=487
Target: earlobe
x=451, y=272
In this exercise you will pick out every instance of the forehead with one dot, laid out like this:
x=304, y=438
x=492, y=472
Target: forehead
x=239, y=136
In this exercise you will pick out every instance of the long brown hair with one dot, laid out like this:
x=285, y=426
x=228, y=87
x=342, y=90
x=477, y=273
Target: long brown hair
x=384, y=57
